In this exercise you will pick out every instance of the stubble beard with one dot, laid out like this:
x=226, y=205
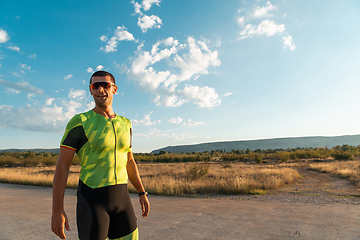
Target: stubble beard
x=103, y=103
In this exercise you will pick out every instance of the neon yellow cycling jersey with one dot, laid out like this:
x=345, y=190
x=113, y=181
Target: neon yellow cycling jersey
x=102, y=145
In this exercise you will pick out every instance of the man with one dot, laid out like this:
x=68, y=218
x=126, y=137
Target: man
x=102, y=141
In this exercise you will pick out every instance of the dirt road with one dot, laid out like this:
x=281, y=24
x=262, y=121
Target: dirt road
x=289, y=213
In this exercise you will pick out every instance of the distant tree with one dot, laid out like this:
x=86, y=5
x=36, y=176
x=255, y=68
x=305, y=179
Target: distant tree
x=30, y=154
x=258, y=158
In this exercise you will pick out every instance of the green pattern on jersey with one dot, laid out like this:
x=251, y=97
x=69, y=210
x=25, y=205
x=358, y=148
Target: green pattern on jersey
x=103, y=157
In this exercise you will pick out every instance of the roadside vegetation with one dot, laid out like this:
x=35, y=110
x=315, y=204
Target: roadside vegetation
x=205, y=173
x=344, y=169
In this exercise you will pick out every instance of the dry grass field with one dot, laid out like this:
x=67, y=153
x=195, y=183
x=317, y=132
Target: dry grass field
x=39, y=176
x=200, y=178
x=177, y=178
x=213, y=178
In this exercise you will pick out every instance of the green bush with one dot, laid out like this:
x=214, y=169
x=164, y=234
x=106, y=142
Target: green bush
x=7, y=161
x=283, y=156
x=232, y=157
x=342, y=155
x=258, y=158
x=172, y=157
x=49, y=161
x=198, y=171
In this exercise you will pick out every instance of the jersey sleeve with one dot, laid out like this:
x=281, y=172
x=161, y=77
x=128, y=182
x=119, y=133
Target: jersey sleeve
x=74, y=137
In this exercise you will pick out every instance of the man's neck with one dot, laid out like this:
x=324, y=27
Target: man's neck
x=106, y=112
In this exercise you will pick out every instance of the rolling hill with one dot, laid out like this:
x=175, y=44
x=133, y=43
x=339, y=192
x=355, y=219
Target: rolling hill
x=35, y=150
x=275, y=143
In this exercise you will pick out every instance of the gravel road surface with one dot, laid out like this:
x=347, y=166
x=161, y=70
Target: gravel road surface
x=26, y=211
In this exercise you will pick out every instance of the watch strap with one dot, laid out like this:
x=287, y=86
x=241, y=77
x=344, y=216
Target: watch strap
x=143, y=193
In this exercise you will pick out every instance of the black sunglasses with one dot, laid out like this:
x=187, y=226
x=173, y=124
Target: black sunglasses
x=96, y=85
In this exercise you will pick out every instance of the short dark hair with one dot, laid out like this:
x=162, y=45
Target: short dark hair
x=103, y=74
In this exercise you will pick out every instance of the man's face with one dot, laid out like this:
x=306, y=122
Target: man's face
x=103, y=96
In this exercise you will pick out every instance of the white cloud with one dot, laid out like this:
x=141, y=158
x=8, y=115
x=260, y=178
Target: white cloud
x=103, y=38
x=266, y=27
x=90, y=70
x=77, y=94
x=4, y=37
x=204, y=97
x=49, y=117
x=146, y=22
x=26, y=67
x=49, y=101
x=121, y=34
x=227, y=94
x=32, y=56
x=260, y=12
x=177, y=120
x=185, y=62
x=22, y=86
x=288, y=42
x=146, y=4
x=137, y=7
x=90, y=105
x=146, y=121
x=122, y=68
x=11, y=90
x=14, y=48
x=16, y=74
x=30, y=95
x=193, y=124
x=218, y=43
x=181, y=136
x=152, y=133
x=169, y=100
x=241, y=21
x=68, y=77
x=100, y=67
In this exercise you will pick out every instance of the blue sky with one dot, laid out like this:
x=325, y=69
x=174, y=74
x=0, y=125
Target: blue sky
x=188, y=72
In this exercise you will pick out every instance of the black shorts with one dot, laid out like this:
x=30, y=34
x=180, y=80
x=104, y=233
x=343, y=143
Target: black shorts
x=104, y=212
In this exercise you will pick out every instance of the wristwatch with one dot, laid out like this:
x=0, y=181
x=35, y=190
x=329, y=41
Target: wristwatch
x=143, y=193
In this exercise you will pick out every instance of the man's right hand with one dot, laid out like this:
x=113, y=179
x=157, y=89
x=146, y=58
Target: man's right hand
x=58, y=220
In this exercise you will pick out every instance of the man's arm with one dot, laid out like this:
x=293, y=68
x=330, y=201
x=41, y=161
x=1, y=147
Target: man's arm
x=134, y=177
x=59, y=218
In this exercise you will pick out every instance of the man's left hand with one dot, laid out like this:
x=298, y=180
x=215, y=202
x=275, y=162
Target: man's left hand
x=145, y=205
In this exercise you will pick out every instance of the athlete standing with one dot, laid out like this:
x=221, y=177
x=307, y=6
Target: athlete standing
x=102, y=141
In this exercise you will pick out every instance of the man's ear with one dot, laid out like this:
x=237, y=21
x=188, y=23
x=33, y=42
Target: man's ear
x=115, y=89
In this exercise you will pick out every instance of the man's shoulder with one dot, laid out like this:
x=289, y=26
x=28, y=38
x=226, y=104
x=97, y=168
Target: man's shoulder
x=80, y=117
x=86, y=115
x=124, y=119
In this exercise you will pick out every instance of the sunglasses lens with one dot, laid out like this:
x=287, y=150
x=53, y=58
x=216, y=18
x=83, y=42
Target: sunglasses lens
x=96, y=85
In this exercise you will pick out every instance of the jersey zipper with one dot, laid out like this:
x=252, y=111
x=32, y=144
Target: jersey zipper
x=114, y=151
